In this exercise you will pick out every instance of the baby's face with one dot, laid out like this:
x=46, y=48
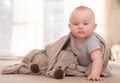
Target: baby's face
x=82, y=23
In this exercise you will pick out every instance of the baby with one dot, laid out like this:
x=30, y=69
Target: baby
x=87, y=46
x=82, y=24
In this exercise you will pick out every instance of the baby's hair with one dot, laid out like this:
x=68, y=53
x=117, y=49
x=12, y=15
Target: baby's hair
x=80, y=8
x=84, y=8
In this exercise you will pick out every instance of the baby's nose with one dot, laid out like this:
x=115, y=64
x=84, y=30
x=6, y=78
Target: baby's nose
x=80, y=26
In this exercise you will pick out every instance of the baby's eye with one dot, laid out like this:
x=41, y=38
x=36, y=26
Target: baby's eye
x=85, y=23
x=76, y=23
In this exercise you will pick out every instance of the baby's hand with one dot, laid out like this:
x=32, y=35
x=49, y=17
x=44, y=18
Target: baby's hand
x=95, y=78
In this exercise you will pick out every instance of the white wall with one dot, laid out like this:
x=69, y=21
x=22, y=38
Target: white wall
x=27, y=26
x=5, y=26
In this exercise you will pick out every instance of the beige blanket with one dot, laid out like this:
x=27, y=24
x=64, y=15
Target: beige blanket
x=57, y=57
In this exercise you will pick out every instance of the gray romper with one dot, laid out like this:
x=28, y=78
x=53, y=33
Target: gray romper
x=83, y=50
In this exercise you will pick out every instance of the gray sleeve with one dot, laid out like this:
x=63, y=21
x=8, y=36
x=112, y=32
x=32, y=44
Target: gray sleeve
x=93, y=45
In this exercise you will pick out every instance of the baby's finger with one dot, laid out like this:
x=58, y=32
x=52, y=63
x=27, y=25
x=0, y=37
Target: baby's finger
x=101, y=79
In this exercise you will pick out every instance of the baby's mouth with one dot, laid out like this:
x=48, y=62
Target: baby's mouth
x=81, y=32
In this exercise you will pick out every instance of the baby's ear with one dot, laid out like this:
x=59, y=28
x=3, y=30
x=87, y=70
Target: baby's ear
x=95, y=25
x=69, y=25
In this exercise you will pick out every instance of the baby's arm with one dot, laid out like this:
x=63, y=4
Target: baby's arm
x=97, y=65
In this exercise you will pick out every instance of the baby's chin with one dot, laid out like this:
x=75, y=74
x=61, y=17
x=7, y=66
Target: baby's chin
x=81, y=36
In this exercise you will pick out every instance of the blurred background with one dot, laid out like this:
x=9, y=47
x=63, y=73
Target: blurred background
x=32, y=24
